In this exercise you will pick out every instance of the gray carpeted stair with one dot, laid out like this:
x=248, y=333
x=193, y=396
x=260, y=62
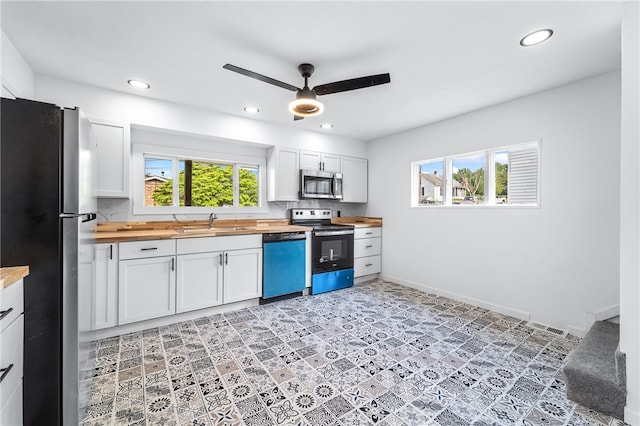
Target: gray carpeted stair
x=595, y=371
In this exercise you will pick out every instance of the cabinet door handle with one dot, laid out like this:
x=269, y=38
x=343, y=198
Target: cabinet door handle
x=148, y=248
x=226, y=258
x=5, y=371
x=220, y=258
x=110, y=251
x=5, y=313
x=173, y=264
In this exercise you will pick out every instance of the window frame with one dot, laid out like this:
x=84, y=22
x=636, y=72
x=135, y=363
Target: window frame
x=142, y=150
x=489, y=176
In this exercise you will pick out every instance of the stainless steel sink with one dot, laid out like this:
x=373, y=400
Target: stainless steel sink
x=196, y=230
x=188, y=230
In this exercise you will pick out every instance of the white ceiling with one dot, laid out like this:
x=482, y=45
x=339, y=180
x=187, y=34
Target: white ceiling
x=445, y=58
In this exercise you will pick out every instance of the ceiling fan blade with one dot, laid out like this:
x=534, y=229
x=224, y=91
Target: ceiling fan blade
x=260, y=77
x=352, y=84
x=297, y=117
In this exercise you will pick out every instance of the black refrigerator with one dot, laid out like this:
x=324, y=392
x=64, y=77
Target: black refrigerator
x=48, y=210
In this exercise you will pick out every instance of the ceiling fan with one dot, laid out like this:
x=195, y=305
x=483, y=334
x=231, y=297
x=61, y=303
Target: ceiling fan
x=305, y=104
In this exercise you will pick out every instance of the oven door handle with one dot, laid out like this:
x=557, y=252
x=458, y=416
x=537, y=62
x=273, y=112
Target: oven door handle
x=331, y=233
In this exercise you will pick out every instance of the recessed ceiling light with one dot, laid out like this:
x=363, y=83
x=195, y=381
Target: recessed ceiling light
x=138, y=84
x=251, y=109
x=536, y=37
x=326, y=125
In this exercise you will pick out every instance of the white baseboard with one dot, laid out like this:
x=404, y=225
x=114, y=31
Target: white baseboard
x=164, y=321
x=604, y=314
x=591, y=317
x=522, y=315
x=576, y=331
x=631, y=417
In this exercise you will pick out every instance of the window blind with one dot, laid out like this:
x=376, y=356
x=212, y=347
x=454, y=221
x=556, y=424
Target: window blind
x=522, y=183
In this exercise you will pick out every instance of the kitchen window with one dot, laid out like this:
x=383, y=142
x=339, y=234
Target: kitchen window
x=171, y=180
x=504, y=176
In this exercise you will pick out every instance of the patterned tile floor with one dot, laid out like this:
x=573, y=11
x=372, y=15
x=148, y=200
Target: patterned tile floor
x=375, y=354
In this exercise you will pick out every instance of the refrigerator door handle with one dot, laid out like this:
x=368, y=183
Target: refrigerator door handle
x=86, y=217
x=70, y=215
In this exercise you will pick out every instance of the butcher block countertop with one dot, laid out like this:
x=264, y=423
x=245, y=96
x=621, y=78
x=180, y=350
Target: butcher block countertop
x=11, y=274
x=359, y=221
x=111, y=232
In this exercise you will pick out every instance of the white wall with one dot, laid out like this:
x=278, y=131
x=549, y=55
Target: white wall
x=550, y=264
x=17, y=75
x=125, y=107
x=630, y=209
x=197, y=124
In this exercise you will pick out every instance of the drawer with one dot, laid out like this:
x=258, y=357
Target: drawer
x=367, y=247
x=368, y=233
x=11, y=303
x=11, y=354
x=367, y=265
x=209, y=244
x=148, y=248
x=11, y=412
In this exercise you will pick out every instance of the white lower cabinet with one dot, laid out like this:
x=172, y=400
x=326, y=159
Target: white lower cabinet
x=104, y=295
x=217, y=270
x=147, y=289
x=146, y=280
x=157, y=278
x=242, y=275
x=211, y=279
x=11, y=353
x=199, y=281
x=367, y=251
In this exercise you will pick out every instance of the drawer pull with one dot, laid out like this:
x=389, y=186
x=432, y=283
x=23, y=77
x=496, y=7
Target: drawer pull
x=5, y=371
x=149, y=248
x=368, y=233
x=5, y=313
x=368, y=246
x=369, y=264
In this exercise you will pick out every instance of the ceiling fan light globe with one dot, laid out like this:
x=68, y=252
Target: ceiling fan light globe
x=305, y=107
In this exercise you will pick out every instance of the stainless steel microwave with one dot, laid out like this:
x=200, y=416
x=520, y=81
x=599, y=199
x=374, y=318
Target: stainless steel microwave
x=320, y=184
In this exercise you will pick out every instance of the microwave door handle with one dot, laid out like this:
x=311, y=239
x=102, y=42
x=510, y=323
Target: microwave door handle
x=334, y=185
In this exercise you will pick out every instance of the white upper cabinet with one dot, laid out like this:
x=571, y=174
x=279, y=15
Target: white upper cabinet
x=114, y=150
x=354, y=180
x=283, y=174
x=311, y=160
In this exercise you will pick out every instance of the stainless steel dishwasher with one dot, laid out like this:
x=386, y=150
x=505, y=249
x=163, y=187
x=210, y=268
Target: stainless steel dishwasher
x=283, y=266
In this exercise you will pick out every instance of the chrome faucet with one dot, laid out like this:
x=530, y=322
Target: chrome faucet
x=212, y=216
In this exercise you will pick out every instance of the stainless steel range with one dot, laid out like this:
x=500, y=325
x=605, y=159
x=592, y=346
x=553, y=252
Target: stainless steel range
x=331, y=250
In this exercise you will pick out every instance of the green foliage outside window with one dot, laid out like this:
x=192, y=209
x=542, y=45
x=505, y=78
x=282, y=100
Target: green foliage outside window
x=501, y=179
x=211, y=186
x=472, y=180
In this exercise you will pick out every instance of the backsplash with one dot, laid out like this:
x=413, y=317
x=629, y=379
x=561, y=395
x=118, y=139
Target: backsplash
x=119, y=210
